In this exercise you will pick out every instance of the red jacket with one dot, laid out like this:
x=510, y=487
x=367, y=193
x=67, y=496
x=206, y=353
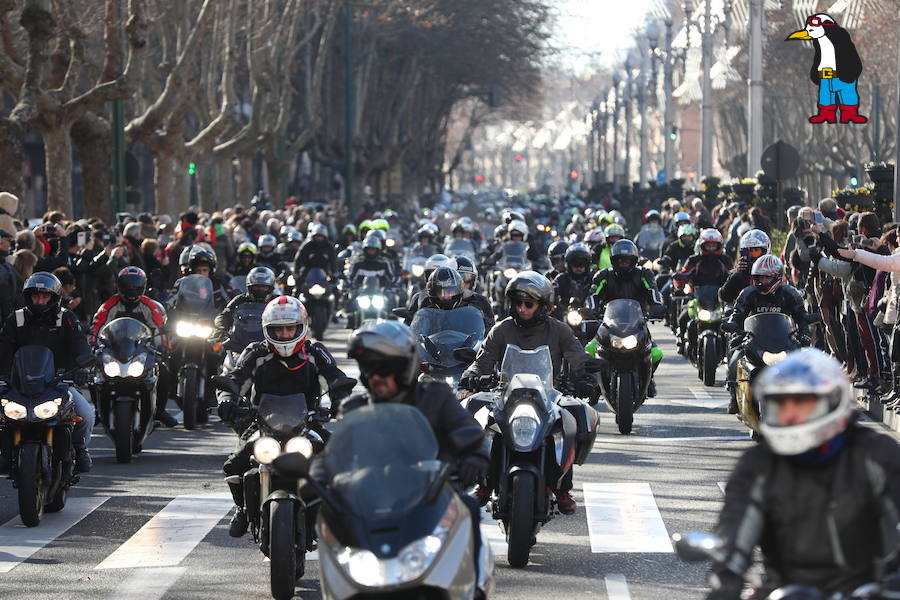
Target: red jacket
x=148, y=311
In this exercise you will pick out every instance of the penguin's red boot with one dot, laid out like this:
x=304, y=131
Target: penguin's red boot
x=849, y=114
x=827, y=114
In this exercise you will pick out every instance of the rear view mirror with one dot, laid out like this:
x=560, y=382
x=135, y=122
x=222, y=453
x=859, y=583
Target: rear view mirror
x=224, y=383
x=465, y=355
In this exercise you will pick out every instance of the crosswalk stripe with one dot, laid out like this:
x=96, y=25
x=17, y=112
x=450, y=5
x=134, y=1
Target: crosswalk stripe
x=702, y=399
x=617, y=587
x=623, y=517
x=167, y=538
x=618, y=439
x=18, y=543
x=148, y=584
x=722, y=486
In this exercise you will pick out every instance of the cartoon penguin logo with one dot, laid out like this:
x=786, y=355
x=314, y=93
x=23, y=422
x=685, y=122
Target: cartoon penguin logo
x=835, y=69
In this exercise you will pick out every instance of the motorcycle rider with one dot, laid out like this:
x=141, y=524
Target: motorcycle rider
x=372, y=262
x=469, y=273
x=285, y=362
x=652, y=236
x=573, y=285
x=290, y=246
x=425, y=245
x=268, y=257
x=348, y=238
x=556, y=253
x=260, y=289
x=445, y=290
x=246, y=259
x=709, y=266
x=815, y=466
x=43, y=322
x=529, y=300
x=201, y=261
x=680, y=218
x=131, y=301
x=316, y=252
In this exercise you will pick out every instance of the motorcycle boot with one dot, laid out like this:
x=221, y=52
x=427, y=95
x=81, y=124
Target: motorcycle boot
x=239, y=523
x=83, y=462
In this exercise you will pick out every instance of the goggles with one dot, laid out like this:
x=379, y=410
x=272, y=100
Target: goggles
x=818, y=22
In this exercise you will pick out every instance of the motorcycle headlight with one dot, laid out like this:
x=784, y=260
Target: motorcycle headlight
x=266, y=449
x=574, y=318
x=364, y=302
x=317, y=290
x=770, y=358
x=704, y=315
x=298, y=444
x=47, y=409
x=14, y=410
x=418, y=270
x=628, y=342
x=112, y=369
x=291, y=281
x=390, y=242
x=377, y=302
x=523, y=425
x=188, y=329
x=136, y=367
x=509, y=272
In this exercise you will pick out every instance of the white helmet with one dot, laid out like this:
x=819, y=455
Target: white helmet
x=439, y=260
x=808, y=371
x=517, y=226
x=314, y=229
x=755, y=238
x=285, y=310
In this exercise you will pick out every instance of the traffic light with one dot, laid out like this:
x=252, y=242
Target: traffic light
x=479, y=178
x=192, y=168
x=854, y=180
x=518, y=158
x=573, y=174
x=673, y=135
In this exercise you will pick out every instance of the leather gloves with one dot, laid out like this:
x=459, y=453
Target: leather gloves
x=82, y=377
x=473, y=469
x=228, y=411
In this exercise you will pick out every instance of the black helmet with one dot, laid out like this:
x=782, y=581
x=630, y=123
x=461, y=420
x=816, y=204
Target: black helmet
x=131, y=283
x=201, y=256
x=624, y=257
x=445, y=287
x=184, y=261
x=578, y=255
x=260, y=283
x=385, y=347
x=467, y=270
x=557, y=254
x=529, y=285
x=46, y=283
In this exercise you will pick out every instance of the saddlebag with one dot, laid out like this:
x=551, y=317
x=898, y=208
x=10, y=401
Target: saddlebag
x=587, y=419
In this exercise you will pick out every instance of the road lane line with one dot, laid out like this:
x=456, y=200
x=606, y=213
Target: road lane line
x=617, y=587
x=492, y=534
x=618, y=439
x=18, y=543
x=722, y=486
x=623, y=517
x=148, y=584
x=702, y=399
x=172, y=533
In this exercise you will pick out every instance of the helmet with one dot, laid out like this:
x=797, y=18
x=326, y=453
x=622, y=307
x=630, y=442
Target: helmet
x=425, y=231
x=624, y=256
x=650, y=215
x=681, y=217
x=184, y=261
x=578, y=255
x=445, y=287
x=517, y=227
x=46, y=283
x=365, y=227
x=315, y=229
x=371, y=242
x=285, y=310
x=260, y=277
x=247, y=248
x=438, y=260
x=755, y=238
x=381, y=224
x=805, y=372
x=467, y=270
x=511, y=215
x=267, y=240
x=595, y=236
x=348, y=229
x=294, y=236
x=710, y=236
x=557, y=250
x=499, y=232
x=131, y=283
x=767, y=266
x=201, y=256
x=385, y=347
x=285, y=231
x=529, y=285
x=686, y=229
x=614, y=230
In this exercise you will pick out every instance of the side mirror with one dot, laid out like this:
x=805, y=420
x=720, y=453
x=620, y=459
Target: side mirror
x=401, y=312
x=696, y=546
x=465, y=355
x=224, y=383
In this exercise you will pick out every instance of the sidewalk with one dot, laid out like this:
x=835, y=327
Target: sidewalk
x=872, y=406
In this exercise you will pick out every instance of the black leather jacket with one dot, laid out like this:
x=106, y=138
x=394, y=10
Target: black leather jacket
x=638, y=285
x=571, y=289
x=786, y=299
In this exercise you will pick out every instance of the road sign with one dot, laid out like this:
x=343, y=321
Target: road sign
x=780, y=161
x=661, y=176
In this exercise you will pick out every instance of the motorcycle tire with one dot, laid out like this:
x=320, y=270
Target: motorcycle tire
x=59, y=500
x=122, y=434
x=625, y=403
x=206, y=403
x=190, y=400
x=318, y=319
x=31, y=485
x=286, y=542
x=710, y=361
x=520, y=523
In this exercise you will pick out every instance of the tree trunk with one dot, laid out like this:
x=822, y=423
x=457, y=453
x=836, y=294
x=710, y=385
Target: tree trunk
x=93, y=139
x=222, y=184
x=164, y=181
x=58, y=157
x=246, y=184
x=182, y=187
x=12, y=157
x=206, y=176
x=278, y=172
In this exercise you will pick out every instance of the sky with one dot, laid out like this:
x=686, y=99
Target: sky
x=596, y=30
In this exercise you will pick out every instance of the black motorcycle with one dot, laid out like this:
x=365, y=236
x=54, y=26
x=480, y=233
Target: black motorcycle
x=317, y=294
x=39, y=417
x=624, y=365
x=125, y=388
x=512, y=261
x=706, y=341
x=536, y=435
x=370, y=299
x=193, y=313
x=441, y=333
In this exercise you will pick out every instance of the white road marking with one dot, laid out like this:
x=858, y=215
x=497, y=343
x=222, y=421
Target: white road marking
x=623, y=517
x=492, y=534
x=702, y=399
x=148, y=584
x=18, y=543
x=619, y=439
x=722, y=486
x=167, y=538
x=617, y=587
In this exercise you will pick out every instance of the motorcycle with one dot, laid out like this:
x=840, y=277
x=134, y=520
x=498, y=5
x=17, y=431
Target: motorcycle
x=441, y=333
x=279, y=513
x=536, y=435
x=39, y=415
x=624, y=366
x=372, y=301
x=238, y=284
x=193, y=314
x=706, y=343
x=246, y=329
x=125, y=389
x=317, y=294
x=513, y=260
x=391, y=523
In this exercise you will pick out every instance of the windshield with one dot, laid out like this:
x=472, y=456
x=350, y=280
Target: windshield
x=382, y=459
x=623, y=315
x=315, y=276
x=283, y=415
x=537, y=362
x=515, y=254
x=124, y=337
x=33, y=369
x=443, y=331
x=370, y=284
x=460, y=247
x=771, y=332
x=195, y=295
x=707, y=296
x=238, y=283
x=247, y=325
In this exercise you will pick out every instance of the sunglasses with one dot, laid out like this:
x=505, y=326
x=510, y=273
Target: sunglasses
x=381, y=369
x=817, y=22
x=529, y=304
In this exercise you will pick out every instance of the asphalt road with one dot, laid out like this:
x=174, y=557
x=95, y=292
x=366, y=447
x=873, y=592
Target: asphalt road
x=157, y=528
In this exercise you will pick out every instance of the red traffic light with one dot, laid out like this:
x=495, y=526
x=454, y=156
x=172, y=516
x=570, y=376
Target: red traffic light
x=479, y=178
x=518, y=157
x=573, y=174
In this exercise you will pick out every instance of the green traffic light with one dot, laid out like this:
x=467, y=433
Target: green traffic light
x=673, y=136
x=854, y=181
x=192, y=169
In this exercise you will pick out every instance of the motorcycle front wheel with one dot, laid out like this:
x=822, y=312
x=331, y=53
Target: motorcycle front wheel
x=31, y=485
x=286, y=541
x=520, y=523
x=625, y=402
x=710, y=361
x=123, y=436
x=189, y=399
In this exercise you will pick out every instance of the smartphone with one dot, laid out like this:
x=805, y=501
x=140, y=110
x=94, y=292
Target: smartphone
x=820, y=218
x=82, y=238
